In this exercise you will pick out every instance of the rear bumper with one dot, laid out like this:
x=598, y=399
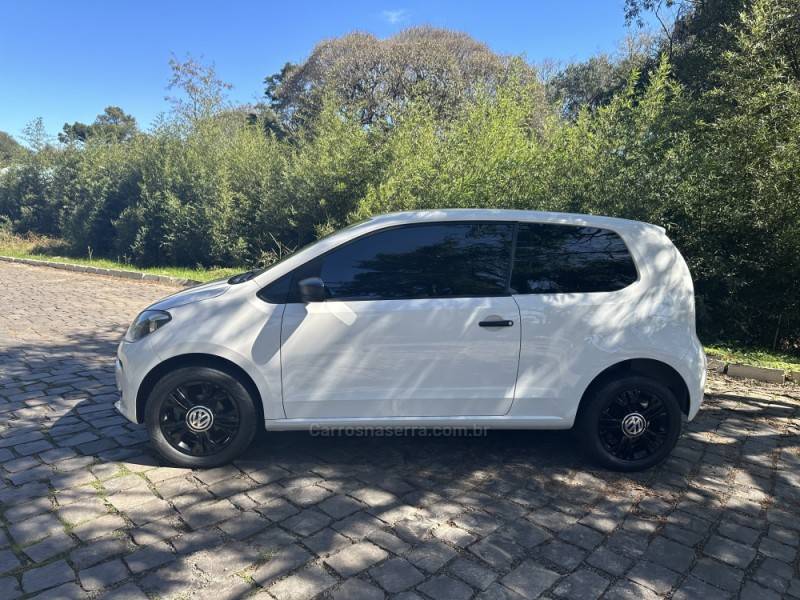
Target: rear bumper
x=695, y=377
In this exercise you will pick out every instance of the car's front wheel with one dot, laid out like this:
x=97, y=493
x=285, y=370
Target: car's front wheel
x=630, y=423
x=200, y=417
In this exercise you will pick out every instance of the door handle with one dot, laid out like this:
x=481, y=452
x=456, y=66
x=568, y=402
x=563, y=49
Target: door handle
x=508, y=323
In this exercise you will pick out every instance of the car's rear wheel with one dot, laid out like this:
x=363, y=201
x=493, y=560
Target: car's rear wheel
x=630, y=423
x=200, y=417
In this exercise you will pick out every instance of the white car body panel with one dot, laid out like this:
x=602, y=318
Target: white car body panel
x=425, y=362
x=388, y=358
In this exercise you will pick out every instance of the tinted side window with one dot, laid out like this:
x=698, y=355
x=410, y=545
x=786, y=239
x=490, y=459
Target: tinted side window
x=568, y=259
x=277, y=291
x=420, y=261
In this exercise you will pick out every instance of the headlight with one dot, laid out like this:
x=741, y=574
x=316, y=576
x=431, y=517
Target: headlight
x=146, y=323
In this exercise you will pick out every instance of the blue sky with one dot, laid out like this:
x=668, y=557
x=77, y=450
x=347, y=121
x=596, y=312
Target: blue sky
x=66, y=61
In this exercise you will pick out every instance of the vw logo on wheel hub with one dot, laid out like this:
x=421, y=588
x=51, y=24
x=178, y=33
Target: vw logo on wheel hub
x=199, y=418
x=633, y=425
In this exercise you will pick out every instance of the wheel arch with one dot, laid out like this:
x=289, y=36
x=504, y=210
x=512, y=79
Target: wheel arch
x=195, y=360
x=648, y=367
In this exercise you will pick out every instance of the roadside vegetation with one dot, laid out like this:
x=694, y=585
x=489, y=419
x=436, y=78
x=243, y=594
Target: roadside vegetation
x=50, y=249
x=758, y=357
x=695, y=129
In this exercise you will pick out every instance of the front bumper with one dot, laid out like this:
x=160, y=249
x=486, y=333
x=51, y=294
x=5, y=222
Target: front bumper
x=125, y=405
x=134, y=361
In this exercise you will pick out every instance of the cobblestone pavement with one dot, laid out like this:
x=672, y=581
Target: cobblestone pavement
x=88, y=512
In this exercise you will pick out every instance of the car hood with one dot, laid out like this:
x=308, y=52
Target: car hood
x=193, y=294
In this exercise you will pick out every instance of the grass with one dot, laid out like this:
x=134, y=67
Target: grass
x=44, y=248
x=757, y=357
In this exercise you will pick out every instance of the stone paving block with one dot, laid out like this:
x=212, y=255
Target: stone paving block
x=98, y=551
x=753, y=591
x=155, y=531
x=388, y=541
x=739, y=533
x=35, y=528
x=693, y=588
x=49, y=547
x=609, y=561
x=306, y=522
x=284, y=560
x=340, y=506
x=129, y=591
x=498, y=551
x=443, y=587
x=581, y=585
x=8, y=561
x=326, y=542
x=65, y=591
x=582, y=536
x=524, y=533
x=198, y=516
x=355, y=558
x=774, y=549
x=178, y=579
x=562, y=554
x=774, y=574
x=226, y=560
x=357, y=589
x=718, y=574
x=103, y=575
x=100, y=527
x=530, y=579
x=195, y=541
x=149, y=557
x=472, y=572
x=728, y=551
x=78, y=512
x=652, y=576
x=396, y=575
x=670, y=554
x=625, y=589
x=51, y=575
x=305, y=584
x=9, y=588
x=357, y=526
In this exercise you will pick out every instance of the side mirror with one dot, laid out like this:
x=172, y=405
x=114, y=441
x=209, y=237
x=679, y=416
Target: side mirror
x=312, y=289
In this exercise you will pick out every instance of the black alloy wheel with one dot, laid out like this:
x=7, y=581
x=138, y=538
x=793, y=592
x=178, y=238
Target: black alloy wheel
x=201, y=416
x=634, y=425
x=630, y=423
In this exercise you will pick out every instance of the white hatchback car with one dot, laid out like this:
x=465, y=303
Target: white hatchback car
x=489, y=318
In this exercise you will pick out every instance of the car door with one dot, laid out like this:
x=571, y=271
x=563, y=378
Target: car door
x=417, y=322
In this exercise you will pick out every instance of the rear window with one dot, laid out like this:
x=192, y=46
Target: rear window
x=561, y=259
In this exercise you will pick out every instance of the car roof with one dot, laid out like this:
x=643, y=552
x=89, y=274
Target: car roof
x=476, y=214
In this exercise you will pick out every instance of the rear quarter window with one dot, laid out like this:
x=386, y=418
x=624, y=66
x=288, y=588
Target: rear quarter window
x=562, y=259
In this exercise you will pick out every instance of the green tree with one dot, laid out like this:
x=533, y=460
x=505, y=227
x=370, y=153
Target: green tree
x=9, y=148
x=201, y=93
x=375, y=79
x=113, y=124
x=594, y=82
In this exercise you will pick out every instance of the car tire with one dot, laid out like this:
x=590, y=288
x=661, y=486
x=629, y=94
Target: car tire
x=630, y=424
x=200, y=417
